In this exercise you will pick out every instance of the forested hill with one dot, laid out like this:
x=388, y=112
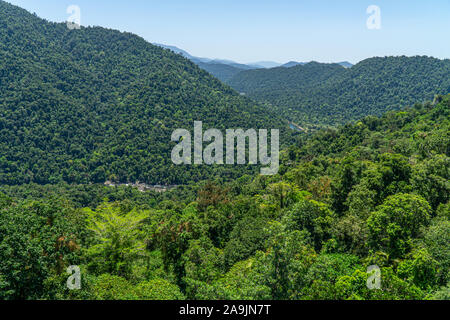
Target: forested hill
x=221, y=71
x=95, y=104
x=330, y=94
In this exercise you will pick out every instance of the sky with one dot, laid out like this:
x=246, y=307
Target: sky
x=260, y=30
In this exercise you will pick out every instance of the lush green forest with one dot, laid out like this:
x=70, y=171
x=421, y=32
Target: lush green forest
x=92, y=105
x=223, y=70
x=329, y=94
x=79, y=107
x=371, y=193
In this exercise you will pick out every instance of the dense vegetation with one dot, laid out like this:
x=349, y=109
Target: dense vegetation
x=329, y=94
x=371, y=193
x=92, y=105
x=223, y=72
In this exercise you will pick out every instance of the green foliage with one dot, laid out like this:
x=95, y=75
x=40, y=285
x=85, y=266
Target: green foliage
x=351, y=234
x=429, y=179
x=118, y=239
x=38, y=240
x=112, y=287
x=223, y=72
x=436, y=240
x=172, y=235
x=329, y=94
x=241, y=282
x=442, y=294
x=203, y=265
x=309, y=232
x=312, y=216
x=88, y=105
x=286, y=262
x=158, y=289
x=324, y=273
x=354, y=287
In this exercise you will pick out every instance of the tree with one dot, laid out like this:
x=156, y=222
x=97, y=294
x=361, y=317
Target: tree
x=324, y=272
x=112, y=287
x=172, y=235
x=354, y=287
x=203, y=264
x=351, y=233
x=286, y=262
x=397, y=222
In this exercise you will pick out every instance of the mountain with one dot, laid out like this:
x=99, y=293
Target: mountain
x=330, y=94
x=290, y=64
x=223, y=70
x=95, y=104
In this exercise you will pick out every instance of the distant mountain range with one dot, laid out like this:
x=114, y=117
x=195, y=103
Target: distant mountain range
x=225, y=70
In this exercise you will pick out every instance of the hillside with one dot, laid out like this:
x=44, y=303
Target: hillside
x=94, y=104
x=371, y=193
x=324, y=94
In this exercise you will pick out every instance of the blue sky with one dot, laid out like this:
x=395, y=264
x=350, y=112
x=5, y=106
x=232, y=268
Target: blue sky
x=282, y=30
